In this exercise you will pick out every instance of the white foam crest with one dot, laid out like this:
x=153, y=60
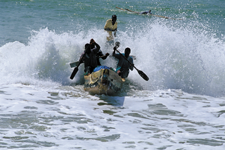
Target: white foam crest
x=46, y=57
x=172, y=56
x=175, y=57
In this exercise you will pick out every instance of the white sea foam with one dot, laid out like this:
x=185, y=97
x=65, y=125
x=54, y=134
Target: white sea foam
x=64, y=118
x=177, y=58
x=41, y=108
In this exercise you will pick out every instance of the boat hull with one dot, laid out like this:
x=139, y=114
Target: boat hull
x=103, y=81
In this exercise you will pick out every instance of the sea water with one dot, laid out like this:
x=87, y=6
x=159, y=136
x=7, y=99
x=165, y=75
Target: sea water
x=182, y=106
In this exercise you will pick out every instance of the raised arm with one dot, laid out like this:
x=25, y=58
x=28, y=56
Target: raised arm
x=114, y=53
x=96, y=46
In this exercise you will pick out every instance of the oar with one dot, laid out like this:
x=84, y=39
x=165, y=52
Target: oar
x=76, y=69
x=74, y=64
x=132, y=11
x=141, y=73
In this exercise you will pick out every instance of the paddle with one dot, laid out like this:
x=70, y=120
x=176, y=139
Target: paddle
x=74, y=64
x=76, y=68
x=141, y=73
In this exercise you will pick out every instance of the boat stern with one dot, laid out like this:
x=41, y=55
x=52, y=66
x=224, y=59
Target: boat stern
x=104, y=81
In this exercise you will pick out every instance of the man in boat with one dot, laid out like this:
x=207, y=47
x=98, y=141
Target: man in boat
x=89, y=57
x=123, y=65
x=111, y=26
x=99, y=54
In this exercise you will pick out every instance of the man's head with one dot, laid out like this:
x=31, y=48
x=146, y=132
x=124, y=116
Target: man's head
x=114, y=19
x=87, y=48
x=127, y=52
x=150, y=11
x=92, y=41
x=92, y=45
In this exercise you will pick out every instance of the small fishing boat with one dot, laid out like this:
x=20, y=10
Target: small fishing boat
x=103, y=80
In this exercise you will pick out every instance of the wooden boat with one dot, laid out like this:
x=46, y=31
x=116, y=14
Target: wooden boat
x=103, y=80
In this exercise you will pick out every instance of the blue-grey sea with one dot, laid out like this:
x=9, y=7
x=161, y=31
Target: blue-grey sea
x=181, y=107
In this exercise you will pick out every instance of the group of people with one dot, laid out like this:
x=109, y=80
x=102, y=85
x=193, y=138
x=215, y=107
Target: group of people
x=92, y=53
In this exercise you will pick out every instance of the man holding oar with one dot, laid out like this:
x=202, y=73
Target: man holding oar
x=123, y=65
x=89, y=57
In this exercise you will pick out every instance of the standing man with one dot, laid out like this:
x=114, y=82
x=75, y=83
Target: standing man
x=111, y=26
x=123, y=65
